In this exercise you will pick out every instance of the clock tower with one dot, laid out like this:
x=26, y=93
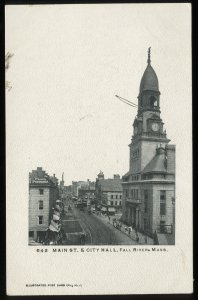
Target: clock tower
x=149, y=185
x=148, y=129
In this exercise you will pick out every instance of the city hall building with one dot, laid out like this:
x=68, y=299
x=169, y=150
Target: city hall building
x=149, y=186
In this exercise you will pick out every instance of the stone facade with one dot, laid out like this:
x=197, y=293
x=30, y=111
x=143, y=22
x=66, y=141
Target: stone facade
x=80, y=188
x=149, y=186
x=109, y=193
x=43, y=193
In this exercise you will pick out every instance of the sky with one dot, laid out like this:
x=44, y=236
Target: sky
x=69, y=63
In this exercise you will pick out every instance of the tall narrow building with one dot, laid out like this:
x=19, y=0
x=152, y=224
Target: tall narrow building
x=149, y=186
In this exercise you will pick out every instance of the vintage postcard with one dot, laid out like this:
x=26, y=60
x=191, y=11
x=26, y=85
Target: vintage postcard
x=99, y=149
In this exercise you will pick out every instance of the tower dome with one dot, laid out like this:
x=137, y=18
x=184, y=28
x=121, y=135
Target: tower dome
x=149, y=81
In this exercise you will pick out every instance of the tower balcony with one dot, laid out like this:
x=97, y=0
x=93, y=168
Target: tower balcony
x=150, y=134
x=154, y=134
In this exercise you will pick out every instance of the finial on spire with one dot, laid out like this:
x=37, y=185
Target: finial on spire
x=149, y=56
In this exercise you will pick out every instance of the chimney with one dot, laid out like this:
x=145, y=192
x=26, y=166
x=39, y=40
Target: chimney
x=40, y=172
x=170, y=155
x=100, y=175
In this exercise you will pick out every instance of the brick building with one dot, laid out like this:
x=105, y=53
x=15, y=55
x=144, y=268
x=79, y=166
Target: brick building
x=149, y=186
x=76, y=185
x=79, y=187
x=109, y=193
x=87, y=190
x=43, y=193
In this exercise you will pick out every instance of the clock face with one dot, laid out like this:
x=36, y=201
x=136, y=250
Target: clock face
x=155, y=126
x=136, y=130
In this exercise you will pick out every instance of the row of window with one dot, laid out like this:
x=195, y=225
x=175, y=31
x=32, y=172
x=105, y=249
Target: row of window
x=162, y=202
x=135, y=177
x=133, y=193
x=116, y=197
x=150, y=176
x=116, y=203
x=144, y=177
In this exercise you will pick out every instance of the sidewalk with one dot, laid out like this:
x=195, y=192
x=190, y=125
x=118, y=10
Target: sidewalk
x=132, y=234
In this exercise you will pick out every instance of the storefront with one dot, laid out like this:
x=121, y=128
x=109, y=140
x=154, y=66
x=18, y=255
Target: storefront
x=103, y=209
x=111, y=210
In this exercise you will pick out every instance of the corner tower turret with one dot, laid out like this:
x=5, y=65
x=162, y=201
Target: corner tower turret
x=149, y=94
x=148, y=129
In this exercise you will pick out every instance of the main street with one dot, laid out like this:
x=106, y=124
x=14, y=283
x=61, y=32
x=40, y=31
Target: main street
x=99, y=231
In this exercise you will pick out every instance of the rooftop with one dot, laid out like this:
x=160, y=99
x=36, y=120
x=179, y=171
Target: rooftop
x=149, y=79
x=39, y=176
x=157, y=164
x=110, y=185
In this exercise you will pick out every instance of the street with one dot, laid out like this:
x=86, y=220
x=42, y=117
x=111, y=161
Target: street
x=99, y=231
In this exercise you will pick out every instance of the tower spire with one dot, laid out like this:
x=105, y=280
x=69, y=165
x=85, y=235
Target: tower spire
x=149, y=56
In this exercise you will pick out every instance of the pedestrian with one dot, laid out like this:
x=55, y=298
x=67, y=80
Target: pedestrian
x=137, y=238
x=109, y=219
x=130, y=230
x=145, y=239
x=120, y=225
x=82, y=239
x=125, y=229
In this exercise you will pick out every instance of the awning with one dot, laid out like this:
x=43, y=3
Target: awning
x=56, y=213
x=52, y=228
x=56, y=217
x=57, y=207
x=112, y=209
x=55, y=225
x=104, y=209
x=59, y=201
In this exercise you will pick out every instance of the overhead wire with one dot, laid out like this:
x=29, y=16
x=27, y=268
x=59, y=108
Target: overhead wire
x=128, y=102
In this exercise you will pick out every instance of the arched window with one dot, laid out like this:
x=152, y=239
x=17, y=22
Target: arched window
x=153, y=102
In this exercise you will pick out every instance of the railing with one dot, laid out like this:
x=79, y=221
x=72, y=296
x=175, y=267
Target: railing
x=150, y=134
